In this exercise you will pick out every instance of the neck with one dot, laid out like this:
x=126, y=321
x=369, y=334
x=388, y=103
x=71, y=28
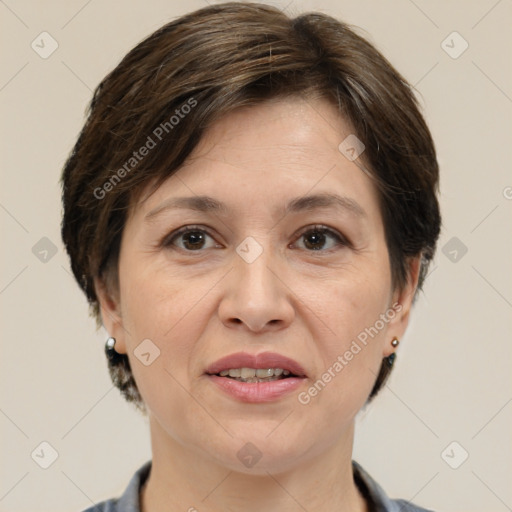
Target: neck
x=183, y=480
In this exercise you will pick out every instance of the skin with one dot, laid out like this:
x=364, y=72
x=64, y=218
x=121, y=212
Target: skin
x=200, y=304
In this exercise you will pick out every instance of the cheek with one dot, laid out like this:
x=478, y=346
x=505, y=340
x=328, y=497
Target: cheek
x=156, y=298
x=161, y=311
x=171, y=312
x=350, y=313
x=353, y=303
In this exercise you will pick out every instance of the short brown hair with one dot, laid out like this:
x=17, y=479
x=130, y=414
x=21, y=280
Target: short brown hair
x=196, y=69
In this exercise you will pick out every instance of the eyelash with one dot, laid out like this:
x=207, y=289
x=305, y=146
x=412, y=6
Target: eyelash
x=340, y=241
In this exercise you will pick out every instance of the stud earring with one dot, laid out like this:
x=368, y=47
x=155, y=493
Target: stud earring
x=391, y=358
x=109, y=348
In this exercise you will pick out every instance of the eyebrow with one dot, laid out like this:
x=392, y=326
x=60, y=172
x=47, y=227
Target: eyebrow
x=207, y=204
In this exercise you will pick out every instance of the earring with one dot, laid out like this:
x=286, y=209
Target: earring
x=391, y=358
x=109, y=348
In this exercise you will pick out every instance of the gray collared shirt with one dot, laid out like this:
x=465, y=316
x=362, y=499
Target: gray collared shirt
x=371, y=490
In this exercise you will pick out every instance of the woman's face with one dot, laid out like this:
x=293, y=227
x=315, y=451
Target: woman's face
x=287, y=257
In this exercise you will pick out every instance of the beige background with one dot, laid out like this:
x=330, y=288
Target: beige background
x=453, y=379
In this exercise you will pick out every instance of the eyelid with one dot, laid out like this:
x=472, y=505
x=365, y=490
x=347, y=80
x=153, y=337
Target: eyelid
x=341, y=239
x=168, y=239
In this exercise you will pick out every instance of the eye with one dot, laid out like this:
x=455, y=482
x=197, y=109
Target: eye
x=320, y=238
x=190, y=238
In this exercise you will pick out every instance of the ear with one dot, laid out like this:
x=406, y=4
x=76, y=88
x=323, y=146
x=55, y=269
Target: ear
x=111, y=313
x=402, y=303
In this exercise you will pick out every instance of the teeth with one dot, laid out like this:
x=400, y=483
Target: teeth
x=256, y=379
x=253, y=373
x=261, y=373
x=248, y=373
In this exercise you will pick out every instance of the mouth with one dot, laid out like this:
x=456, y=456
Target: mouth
x=255, y=374
x=264, y=367
x=263, y=377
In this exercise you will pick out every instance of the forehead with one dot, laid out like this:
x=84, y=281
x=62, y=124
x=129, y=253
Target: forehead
x=268, y=154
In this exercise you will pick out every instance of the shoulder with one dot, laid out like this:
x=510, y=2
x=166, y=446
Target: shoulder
x=377, y=499
x=129, y=501
x=104, y=506
x=407, y=506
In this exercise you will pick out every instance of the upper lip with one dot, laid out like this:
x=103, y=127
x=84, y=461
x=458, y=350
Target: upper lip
x=262, y=360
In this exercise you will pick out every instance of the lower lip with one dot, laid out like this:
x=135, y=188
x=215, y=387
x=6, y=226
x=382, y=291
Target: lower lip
x=255, y=392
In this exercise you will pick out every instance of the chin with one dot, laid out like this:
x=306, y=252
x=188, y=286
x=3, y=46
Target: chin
x=258, y=453
x=249, y=460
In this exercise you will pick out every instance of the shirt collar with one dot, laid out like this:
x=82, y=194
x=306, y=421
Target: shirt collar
x=377, y=499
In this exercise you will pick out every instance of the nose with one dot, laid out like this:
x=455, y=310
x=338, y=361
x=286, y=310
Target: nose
x=257, y=297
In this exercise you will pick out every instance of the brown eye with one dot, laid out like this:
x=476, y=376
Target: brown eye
x=320, y=238
x=191, y=239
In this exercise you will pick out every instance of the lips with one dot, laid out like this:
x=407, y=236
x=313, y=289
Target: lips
x=262, y=360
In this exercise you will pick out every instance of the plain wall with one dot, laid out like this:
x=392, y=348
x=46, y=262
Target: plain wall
x=452, y=381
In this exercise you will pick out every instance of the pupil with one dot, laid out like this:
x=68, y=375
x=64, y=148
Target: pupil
x=315, y=240
x=194, y=239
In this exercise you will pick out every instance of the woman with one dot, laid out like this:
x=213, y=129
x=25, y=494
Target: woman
x=250, y=209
